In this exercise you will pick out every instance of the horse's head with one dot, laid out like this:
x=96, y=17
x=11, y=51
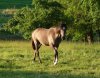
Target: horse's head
x=63, y=30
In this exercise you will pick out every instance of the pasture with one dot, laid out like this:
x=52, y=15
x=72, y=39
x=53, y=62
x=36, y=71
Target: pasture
x=76, y=60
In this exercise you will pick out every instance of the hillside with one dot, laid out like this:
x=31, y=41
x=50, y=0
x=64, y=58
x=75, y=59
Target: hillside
x=8, y=7
x=4, y=4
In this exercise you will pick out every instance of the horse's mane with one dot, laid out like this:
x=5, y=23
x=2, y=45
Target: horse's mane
x=55, y=26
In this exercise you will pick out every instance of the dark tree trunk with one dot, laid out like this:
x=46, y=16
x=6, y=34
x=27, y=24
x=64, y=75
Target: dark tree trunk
x=99, y=34
x=89, y=36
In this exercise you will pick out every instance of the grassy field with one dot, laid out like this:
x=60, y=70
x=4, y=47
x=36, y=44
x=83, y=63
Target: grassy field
x=76, y=60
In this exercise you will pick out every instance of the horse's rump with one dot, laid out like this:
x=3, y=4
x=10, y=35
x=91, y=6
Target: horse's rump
x=40, y=35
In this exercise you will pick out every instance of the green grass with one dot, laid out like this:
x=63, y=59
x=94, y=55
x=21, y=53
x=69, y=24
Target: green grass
x=76, y=60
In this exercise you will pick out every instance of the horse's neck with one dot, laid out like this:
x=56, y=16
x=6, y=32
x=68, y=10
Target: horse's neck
x=55, y=30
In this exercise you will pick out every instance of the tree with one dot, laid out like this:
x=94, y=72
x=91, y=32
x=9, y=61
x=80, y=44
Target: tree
x=81, y=16
x=86, y=15
x=41, y=14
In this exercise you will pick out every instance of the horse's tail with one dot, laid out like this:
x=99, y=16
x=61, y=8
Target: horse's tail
x=33, y=45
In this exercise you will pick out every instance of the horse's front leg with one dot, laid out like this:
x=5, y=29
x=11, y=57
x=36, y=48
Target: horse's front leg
x=56, y=56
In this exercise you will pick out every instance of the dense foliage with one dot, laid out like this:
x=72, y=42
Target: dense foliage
x=81, y=16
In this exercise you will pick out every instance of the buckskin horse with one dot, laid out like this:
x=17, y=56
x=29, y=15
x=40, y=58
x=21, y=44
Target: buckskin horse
x=48, y=37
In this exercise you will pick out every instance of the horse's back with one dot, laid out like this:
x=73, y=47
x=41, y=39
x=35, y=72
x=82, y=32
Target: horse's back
x=45, y=36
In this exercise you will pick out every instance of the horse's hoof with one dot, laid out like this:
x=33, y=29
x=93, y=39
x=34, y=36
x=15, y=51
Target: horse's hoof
x=34, y=59
x=55, y=63
x=40, y=62
x=32, y=62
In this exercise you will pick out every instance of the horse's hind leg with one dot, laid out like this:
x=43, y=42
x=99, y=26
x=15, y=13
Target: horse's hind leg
x=37, y=46
x=39, y=57
x=33, y=46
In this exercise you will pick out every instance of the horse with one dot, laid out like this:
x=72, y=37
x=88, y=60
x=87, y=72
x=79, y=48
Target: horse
x=48, y=37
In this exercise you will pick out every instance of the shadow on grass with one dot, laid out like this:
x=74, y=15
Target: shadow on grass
x=37, y=74
x=10, y=70
x=8, y=64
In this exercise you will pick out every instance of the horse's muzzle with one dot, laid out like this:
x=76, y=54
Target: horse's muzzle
x=63, y=38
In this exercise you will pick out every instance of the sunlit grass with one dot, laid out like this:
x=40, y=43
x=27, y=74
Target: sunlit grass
x=76, y=60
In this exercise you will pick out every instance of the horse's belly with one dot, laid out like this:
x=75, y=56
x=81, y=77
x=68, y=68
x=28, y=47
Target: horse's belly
x=43, y=41
x=45, y=44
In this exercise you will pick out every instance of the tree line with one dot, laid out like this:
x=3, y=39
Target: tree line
x=82, y=18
